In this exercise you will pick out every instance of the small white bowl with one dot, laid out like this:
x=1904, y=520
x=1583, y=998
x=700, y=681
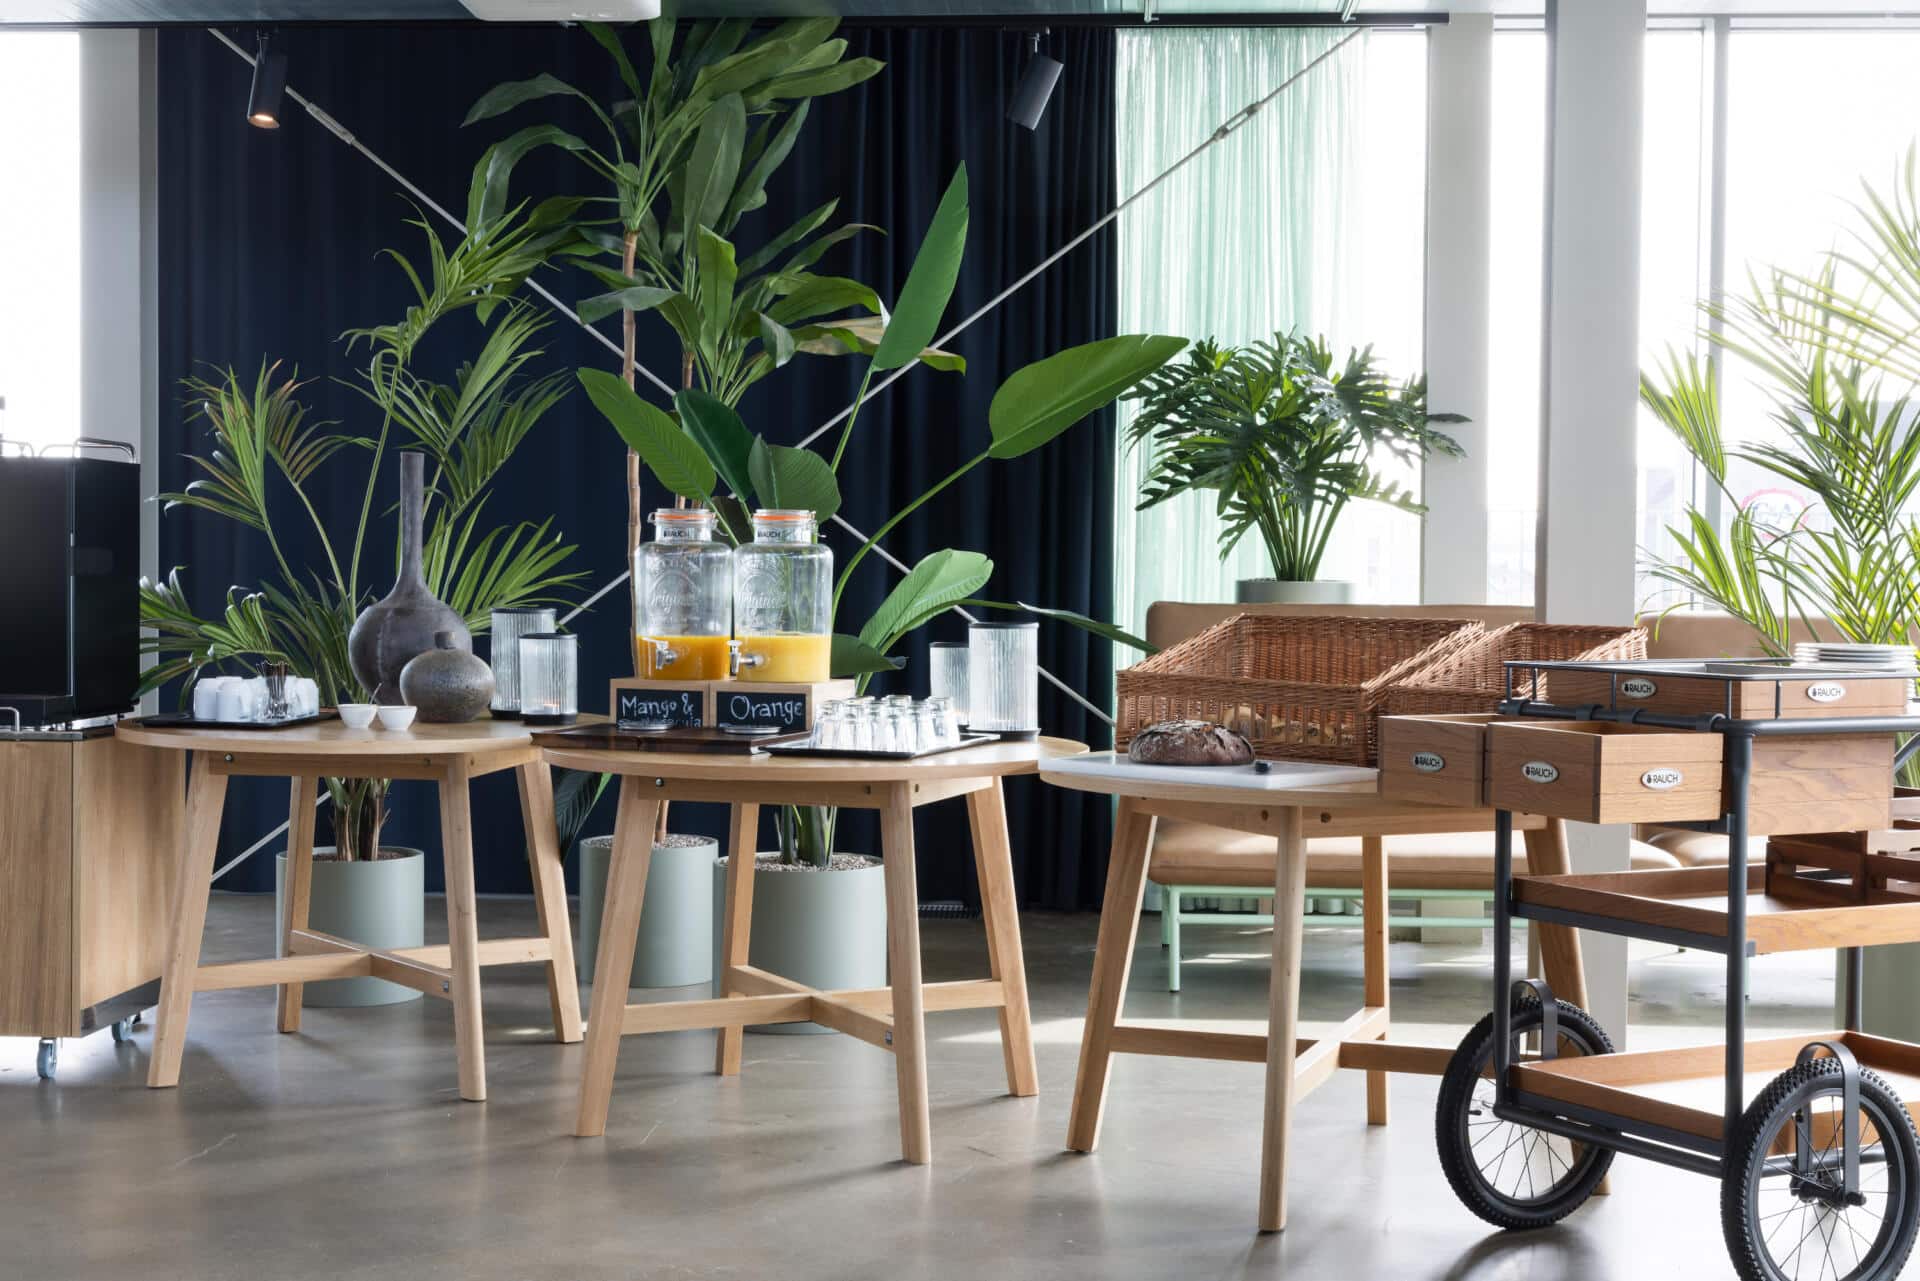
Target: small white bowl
x=395, y=715
x=357, y=715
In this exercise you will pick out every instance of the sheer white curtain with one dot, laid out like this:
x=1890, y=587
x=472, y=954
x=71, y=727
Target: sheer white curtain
x=1311, y=216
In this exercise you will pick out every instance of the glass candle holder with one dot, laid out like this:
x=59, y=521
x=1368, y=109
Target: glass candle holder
x=508, y=626
x=947, y=676
x=1003, y=679
x=549, y=678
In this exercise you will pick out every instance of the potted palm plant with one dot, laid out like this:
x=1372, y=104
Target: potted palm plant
x=263, y=444
x=1284, y=438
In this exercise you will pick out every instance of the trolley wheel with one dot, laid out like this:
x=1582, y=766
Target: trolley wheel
x=47, y=1062
x=1781, y=1225
x=1514, y=1176
x=122, y=1031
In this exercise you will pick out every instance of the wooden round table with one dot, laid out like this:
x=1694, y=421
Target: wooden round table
x=449, y=755
x=891, y=1018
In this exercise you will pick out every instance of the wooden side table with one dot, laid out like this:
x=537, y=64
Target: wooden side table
x=449, y=755
x=1295, y=800
x=891, y=1018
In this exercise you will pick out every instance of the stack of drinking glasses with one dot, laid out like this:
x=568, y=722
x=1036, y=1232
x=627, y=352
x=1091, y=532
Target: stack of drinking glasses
x=898, y=724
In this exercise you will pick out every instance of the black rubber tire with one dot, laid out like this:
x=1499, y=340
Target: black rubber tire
x=1455, y=1112
x=1899, y=1178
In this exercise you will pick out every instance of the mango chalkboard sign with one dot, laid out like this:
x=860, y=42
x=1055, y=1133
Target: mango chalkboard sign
x=788, y=707
x=656, y=702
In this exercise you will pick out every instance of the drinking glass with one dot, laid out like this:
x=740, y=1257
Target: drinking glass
x=549, y=678
x=506, y=629
x=926, y=729
x=1003, y=678
x=946, y=729
x=947, y=676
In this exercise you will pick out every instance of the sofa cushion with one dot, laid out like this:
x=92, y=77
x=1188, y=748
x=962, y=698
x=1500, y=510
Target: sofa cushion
x=1186, y=853
x=1701, y=849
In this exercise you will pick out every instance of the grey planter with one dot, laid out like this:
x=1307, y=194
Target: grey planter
x=675, y=947
x=827, y=929
x=1279, y=591
x=381, y=904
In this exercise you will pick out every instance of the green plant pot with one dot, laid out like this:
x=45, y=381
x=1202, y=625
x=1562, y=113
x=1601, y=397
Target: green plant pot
x=675, y=945
x=826, y=929
x=1280, y=591
x=380, y=904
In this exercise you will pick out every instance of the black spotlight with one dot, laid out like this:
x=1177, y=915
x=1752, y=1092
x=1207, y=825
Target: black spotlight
x=269, y=78
x=1036, y=86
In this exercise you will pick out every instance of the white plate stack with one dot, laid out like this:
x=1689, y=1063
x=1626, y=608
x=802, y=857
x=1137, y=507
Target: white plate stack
x=1895, y=660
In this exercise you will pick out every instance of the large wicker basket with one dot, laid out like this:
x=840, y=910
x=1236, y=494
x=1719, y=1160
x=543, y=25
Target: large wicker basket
x=1474, y=678
x=1302, y=687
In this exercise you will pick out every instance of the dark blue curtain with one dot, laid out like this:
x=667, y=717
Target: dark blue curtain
x=270, y=245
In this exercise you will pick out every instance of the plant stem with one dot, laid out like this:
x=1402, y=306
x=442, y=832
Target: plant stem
x=847, y=574
x=629, y=246
x=853, y=416
x=366, y=502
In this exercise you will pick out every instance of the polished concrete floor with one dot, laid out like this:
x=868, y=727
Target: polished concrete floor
x=343, y=1154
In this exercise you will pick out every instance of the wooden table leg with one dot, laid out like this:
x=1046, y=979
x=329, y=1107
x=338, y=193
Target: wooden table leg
x=1559, y=944
x=1374, y=956
x=300, y=816
x=550, y=896
x=993, y=864
x=1283, y=1017
x=736, y=927
x=198, y=842
x=619, y=935
x=463, y=930
x=1112, y=962
x=903, y=964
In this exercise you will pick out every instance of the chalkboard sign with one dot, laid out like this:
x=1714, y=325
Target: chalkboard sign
x=657, y=703
x=788, y=707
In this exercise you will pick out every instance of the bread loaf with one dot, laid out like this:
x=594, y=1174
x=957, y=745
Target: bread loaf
x=1189, y=743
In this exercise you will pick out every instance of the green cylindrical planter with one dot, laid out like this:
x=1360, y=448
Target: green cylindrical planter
x=380, y=904
x=826, y=929
x=675, y=946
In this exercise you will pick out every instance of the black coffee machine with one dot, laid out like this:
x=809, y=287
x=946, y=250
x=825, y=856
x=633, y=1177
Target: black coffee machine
x=69, y=583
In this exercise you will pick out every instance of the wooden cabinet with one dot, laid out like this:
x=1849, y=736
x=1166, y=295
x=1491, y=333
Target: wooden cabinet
x=86, y=878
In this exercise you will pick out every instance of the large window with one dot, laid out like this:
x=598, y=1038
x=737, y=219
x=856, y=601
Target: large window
x=40, y=236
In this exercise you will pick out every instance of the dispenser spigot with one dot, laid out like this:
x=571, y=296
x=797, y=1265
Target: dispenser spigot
x=736, y=659
x=664, y=655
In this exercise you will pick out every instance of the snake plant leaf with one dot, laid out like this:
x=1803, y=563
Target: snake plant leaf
x=1045, y=398
x=936, y=267
x=713, y=167
x=793, y=478
x=938, y=583
x=854, y=657
x=717, y=429
x=669, y=453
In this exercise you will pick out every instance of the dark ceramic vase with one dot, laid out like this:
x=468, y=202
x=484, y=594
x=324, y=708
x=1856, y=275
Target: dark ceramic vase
x=390, y=632
x=446, y=683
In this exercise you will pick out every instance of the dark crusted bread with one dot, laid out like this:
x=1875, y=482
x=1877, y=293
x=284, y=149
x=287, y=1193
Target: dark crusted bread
x=1189, y=743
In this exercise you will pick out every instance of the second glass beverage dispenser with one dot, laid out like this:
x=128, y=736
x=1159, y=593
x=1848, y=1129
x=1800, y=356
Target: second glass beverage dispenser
x=783, y=600
x=683, y=593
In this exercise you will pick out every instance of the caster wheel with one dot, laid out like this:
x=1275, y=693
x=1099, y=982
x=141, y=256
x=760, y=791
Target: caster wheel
x=47, y=1062
x=139, y=1018
x=123, y=1031
x=1511, y=1175
x=1784, y=1225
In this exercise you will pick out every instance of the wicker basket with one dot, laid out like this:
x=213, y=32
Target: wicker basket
x=1302, y=687
x=1474, y=679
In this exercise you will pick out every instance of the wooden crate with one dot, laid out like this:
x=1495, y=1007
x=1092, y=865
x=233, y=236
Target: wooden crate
x=1742, y=698
x=1821, y=783
x=1602, y=772
x=1435, y=760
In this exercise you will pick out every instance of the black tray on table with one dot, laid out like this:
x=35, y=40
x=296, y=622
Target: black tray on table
x=187, y=720
x=857, y=754
x=678, y=738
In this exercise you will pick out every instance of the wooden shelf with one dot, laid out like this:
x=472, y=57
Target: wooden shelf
x=1689, y=907
x=1685, y=1090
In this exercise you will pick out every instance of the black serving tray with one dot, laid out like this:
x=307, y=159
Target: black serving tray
x=187, y=720
x=679, y=738
x=855, y=754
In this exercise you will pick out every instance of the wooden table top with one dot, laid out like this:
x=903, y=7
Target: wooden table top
x=333, y=738
x=988, y=760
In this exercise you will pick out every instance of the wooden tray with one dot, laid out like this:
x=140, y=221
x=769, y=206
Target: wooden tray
x=685, y=738
x=1693, y=901
x=187, y=720
x=1685, y=1090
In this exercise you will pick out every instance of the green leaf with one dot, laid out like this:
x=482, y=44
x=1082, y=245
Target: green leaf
x=500, y=160
x=714, y=166
x=717, y=274
x=1106, y=631
x=938, y=583
x=824, y=80
x=754, y=184
x=820, y=296
x=669, y=453
x=854, y=657
x=862, y=334
x=717, y=429
x=791, y=236
x=505, y=97
x=778, y=339
x=735, y=521
x=633, y=298
x=923, y=299
x=793, y=478
x=1045, y=398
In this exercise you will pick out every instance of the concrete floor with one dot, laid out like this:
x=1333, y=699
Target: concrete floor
x=344, y=1154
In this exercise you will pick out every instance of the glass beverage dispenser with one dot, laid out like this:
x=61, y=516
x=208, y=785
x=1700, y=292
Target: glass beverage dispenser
x=683, y=593
x=783, y=601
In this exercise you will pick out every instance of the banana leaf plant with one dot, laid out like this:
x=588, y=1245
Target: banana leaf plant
x=705, y=452
x=266, y=451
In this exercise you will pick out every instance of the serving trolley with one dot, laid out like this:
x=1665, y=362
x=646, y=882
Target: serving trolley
x=1809, y=1135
